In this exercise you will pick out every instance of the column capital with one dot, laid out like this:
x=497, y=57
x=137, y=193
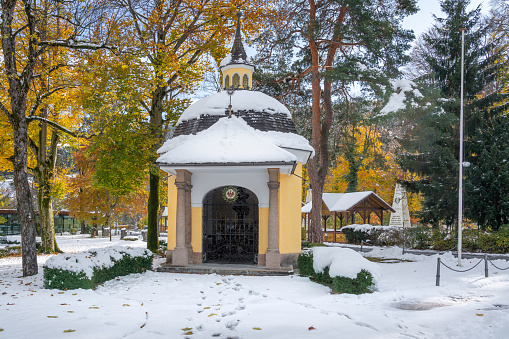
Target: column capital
x=181, y=185
x=273, y=185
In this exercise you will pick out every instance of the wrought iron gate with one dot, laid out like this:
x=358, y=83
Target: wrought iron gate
x=230, y=229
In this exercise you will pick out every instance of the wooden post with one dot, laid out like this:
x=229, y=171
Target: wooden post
x=335, y=217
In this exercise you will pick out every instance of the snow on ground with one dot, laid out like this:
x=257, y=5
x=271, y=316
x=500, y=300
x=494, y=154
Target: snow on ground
x=407, y=303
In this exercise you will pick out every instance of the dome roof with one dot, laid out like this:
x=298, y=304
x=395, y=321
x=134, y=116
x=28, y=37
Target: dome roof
x=259, y=110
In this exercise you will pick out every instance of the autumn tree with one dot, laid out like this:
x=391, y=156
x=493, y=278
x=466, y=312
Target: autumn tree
x=97, y=204
x=339, y=43
x=173, y=41
x=23, y=46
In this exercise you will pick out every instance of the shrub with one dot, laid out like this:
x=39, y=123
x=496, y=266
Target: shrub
x=362, y=284
x=88, y=269
x=305, y=264
x=419, y=237
x=442, y=241
x=307, y=244
x=73, y=230
x=376, y=235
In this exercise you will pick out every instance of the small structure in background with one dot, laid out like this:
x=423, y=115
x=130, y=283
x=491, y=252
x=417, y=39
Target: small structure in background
x=401, y=216
x=343, y=207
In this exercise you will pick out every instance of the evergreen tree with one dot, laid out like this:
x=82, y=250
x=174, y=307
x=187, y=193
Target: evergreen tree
x=434, y=155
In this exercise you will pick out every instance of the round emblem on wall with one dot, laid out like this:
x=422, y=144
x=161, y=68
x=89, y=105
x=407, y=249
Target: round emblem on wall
x=230, y=194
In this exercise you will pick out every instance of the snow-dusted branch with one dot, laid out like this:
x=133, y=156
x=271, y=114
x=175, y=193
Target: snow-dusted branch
x=44, y=96
x=52, y=124
x=75, y=44
x=49, y=71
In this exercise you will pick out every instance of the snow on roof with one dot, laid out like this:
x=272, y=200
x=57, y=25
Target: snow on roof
x=242, y=100
x=229, y=140
x=340, y=202
x=287, y=140
x=226, y=60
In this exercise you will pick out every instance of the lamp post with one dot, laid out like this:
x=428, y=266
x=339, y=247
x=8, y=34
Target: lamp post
x=460, y=187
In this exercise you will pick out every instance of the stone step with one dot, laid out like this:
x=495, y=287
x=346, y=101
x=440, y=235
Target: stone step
x=225, y=269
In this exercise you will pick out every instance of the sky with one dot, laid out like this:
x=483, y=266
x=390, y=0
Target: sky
x=424, y=18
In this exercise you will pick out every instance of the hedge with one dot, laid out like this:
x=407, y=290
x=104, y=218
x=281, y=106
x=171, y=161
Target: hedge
x=363, y=283
x=88, y=269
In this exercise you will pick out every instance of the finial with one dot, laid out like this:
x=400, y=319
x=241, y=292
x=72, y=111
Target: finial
x=239, y=15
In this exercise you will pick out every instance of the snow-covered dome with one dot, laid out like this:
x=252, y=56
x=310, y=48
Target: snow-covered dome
x=217, y=104
x=259, y=110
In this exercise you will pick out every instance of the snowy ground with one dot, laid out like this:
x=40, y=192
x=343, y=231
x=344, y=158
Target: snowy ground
x=407, y=304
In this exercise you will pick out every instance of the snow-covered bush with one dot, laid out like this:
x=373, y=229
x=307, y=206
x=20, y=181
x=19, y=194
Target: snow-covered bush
x=90, y=268
x=376, y=235
x=345, y=270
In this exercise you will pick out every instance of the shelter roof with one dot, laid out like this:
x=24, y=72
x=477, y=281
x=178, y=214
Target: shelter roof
x=343, y=202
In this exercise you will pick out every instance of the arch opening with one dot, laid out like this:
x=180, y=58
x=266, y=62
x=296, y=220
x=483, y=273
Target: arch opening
x=230, y=226
x=226, y=81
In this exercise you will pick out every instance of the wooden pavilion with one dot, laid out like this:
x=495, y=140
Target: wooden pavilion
x=343, y=207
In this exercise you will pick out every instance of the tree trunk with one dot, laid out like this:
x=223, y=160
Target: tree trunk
x=153, y=206
x=47, y=221
x=24, y=197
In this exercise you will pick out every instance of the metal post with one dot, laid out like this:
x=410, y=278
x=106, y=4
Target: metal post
x=460, y=187
x=486, y=265
x=438, y=271
x=403, y=237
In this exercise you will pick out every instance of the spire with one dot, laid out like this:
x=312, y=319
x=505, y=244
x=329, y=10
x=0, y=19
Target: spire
x=238, y=52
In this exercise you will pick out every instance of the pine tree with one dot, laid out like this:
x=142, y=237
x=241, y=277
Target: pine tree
x=433, y=150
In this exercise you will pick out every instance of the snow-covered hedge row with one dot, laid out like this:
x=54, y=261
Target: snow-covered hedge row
x=376, y=235
x=344, y=269
x=87, y=269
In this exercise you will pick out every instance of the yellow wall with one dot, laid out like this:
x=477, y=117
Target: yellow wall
x=289, y=216
x=196, y=228
x=263, y=229
x=241, y=71
x=290, y=211
x=172, y=212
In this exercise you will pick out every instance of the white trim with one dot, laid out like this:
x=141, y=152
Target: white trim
x=256, y=182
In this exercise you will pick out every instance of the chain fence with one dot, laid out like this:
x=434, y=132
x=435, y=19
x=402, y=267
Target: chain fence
x=486, y=271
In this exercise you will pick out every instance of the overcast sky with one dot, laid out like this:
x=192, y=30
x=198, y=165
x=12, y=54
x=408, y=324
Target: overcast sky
x=423, y=19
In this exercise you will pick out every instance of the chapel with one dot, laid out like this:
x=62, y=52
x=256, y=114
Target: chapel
x=235, y=166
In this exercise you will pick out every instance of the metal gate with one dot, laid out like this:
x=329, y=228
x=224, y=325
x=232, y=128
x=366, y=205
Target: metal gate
x=230, y=226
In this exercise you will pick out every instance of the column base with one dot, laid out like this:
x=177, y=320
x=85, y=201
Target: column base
x=180, y=256
x=273, y=260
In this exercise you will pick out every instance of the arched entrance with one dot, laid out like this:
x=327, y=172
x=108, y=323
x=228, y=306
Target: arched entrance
x=230, y=226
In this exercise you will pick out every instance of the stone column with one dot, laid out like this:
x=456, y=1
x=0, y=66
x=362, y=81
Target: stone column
x=187, y=177
x=180, y=255
x=273, y=257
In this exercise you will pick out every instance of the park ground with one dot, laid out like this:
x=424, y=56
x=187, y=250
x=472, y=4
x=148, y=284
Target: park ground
x=406, y=303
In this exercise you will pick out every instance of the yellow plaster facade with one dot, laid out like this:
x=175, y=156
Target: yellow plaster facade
x=229, y=73
x=290, y=211
x=196, y=228
x=172, y=212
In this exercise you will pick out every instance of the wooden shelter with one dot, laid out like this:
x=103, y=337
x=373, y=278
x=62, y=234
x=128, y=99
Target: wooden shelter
x=343, y=207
